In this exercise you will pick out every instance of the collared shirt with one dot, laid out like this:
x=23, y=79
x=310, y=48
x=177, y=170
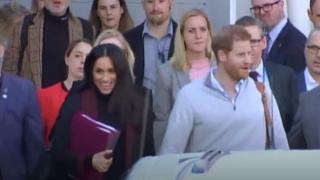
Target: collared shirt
x=274, y=33
x=310, y=82
x=216, y=85
x=263, y=77
x=155, y=53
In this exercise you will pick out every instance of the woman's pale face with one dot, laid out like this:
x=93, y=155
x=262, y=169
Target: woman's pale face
x=104, y=75
x=109, y=13
x=75, y=61
x=196, y=34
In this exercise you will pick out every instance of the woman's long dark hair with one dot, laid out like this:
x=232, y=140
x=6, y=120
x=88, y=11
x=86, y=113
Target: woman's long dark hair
x=122, y=96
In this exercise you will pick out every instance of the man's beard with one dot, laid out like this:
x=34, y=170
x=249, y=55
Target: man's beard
x=156, y=19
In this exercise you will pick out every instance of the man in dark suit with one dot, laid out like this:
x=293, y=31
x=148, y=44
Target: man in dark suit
x=309, y=78
x=285, y=42
x=305, y=132
x=277, y=78
x=152, y=41
x=21, y=139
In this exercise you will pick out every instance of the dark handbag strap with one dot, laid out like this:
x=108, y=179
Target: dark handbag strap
x=27, y=20
x=268, y=118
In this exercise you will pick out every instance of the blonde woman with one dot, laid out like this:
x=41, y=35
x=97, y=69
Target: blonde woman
x=113, y=36
x=192, y=60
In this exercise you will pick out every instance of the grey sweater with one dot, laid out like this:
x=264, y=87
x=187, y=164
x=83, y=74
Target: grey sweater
x=203, y=119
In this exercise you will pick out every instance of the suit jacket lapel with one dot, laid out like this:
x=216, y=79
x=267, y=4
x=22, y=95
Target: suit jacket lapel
x=174, y=27
x=279, y=41
x=4, y=95
x=301, y=80
x=35, y=37
x=270, y=72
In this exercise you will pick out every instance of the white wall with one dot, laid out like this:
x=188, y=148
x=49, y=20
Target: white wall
x=297, y=11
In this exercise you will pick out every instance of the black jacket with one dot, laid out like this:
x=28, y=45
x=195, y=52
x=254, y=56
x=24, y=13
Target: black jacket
x=135, y=39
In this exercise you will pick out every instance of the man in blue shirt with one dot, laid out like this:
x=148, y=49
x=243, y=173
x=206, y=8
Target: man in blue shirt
x=152, y=41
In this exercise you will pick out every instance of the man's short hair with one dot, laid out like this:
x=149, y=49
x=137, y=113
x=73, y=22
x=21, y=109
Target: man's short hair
x=247, y=21
x=225, y=38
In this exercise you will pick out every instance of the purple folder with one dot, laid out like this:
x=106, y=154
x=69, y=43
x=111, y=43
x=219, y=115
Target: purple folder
x=89, y=136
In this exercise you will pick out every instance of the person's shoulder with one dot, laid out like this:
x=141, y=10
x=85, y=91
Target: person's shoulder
x=294, y=32
x=78, y=86
x=166, y=68
x=194, y=87
x=307, y=95
x=278, y=68
x=19, y=86
x=134, y=32
x=18, y=81
x=51, y=90
x=174, y=23
x=84, y=21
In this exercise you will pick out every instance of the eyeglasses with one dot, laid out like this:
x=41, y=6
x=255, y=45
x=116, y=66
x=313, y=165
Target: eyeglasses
x=255, y=42
x=266, y=7
x=313, y=49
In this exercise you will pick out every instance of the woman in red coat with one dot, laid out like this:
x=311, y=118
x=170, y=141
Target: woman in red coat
x=51, y=98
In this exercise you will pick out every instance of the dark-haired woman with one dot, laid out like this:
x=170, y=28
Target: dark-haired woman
x=107, y=93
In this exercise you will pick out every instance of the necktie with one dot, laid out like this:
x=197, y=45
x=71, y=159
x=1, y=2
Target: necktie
x=265, y=51
x=254, y=75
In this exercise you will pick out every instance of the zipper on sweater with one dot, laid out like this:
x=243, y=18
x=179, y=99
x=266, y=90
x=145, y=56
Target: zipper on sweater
x=235, y=100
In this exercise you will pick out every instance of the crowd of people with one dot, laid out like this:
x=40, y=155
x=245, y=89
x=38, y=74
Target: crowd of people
x=168, y=87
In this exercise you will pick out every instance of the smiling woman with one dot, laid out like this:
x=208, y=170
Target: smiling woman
x=110, y=14
x=107, y=94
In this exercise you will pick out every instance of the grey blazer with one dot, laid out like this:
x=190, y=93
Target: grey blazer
x=305, y=132
x=169, y=82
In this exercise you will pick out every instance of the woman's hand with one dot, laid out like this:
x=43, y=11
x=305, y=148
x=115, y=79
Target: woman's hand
x=101, y=162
